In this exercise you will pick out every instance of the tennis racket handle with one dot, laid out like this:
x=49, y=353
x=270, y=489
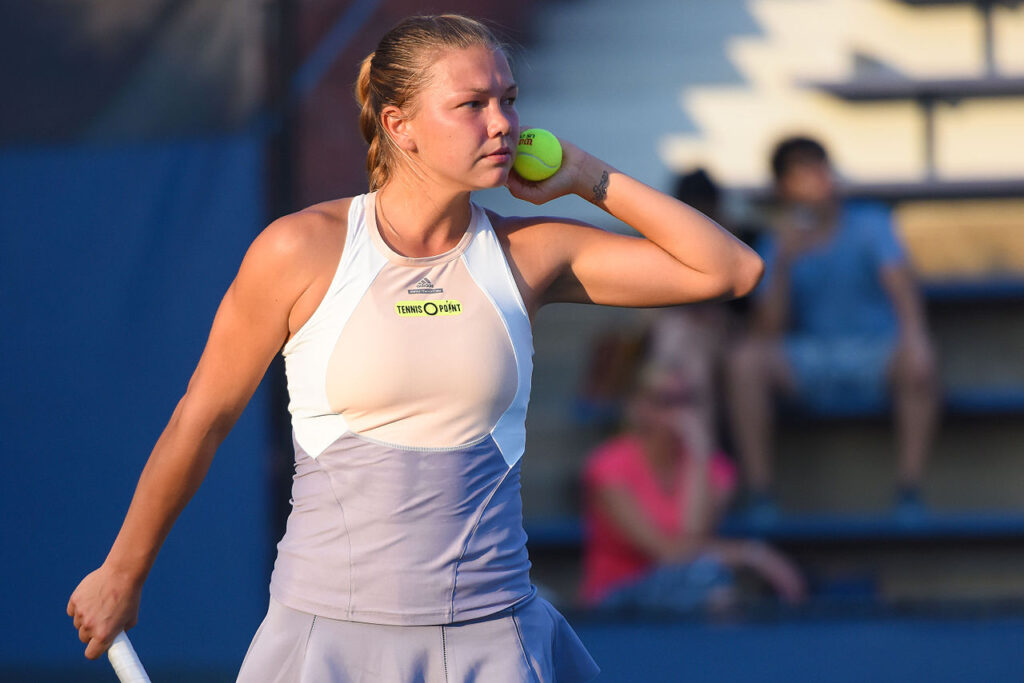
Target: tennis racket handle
x=125, y=662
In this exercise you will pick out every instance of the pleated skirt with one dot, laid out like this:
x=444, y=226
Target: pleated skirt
x=530, y=641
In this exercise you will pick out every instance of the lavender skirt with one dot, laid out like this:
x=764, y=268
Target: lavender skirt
x=529, y=641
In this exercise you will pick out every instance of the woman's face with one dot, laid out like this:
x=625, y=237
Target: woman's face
x=662, y=403
x=465, y=127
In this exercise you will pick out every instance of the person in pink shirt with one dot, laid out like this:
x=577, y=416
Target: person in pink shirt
x=654, y=496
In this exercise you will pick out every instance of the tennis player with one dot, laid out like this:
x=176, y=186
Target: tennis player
x=405, y=320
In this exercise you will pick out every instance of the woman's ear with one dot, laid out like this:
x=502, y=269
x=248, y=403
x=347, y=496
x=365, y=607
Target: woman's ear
x=397, y=126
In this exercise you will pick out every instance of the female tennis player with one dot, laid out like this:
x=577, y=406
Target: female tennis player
x=404, y=316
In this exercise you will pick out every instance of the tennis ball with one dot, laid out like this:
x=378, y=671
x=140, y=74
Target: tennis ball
x=538, y=154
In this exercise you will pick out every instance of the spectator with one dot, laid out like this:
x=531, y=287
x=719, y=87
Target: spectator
x=692, y=338
x=653, y=499
x=838, y=320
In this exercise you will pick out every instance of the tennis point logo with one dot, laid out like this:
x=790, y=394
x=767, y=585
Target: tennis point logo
x=417, y=309
x=527, y=139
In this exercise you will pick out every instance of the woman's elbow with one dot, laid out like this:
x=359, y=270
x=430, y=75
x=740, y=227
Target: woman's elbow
x=748, y=272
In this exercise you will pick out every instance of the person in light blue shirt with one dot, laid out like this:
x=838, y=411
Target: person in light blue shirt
x=838, y=324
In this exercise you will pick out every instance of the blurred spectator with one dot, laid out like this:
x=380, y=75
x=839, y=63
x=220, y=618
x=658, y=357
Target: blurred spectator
x=691, y=338
x=654, y=496
x=612, y=358
x=838, y=322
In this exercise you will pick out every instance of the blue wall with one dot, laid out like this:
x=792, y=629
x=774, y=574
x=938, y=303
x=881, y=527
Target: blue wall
x=900, y=650
x=112, y=263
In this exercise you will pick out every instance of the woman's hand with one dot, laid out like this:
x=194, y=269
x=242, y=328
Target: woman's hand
x=776, y=569
x=563, y=182
x=105, y=603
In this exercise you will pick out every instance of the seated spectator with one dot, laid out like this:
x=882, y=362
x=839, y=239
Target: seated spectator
x=612, y=357
x=693, y=335
x=838, y=320
x=654, y=496
x=692, y=338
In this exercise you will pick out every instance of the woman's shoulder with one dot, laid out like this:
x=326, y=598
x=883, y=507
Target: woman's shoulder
x=309, y=230
x=537, y=239
x=299, y=249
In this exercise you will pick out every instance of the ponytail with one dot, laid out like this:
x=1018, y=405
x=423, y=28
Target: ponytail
x=377, y=163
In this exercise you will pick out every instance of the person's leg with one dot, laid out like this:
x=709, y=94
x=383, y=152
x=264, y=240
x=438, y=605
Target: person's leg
x=916, y=406
x=755, y=370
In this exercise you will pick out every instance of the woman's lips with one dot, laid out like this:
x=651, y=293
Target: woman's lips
x=502, y=155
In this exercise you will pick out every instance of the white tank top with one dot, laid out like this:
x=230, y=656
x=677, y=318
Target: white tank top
x=408, y=390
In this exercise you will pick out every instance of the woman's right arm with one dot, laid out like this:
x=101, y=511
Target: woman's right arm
x=251, y=324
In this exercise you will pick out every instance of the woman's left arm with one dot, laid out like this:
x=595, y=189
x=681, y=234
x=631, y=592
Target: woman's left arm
x=685, y=257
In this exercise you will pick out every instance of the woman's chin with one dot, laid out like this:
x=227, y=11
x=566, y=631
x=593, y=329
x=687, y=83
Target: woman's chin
x=492, y=180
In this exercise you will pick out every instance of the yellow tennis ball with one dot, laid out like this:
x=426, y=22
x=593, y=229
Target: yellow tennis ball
x=538, y=154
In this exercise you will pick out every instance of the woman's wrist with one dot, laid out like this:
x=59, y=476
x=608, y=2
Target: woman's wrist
x=131, y=567
x=126, y=574
x=592, y=179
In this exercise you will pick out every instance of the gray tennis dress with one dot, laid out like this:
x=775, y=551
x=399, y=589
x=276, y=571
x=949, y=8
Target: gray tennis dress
x=404, y=557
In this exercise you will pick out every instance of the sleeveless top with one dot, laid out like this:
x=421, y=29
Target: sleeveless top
x=408, y=389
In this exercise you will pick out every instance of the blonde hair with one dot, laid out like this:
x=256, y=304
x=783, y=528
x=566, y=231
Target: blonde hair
x=395, y=72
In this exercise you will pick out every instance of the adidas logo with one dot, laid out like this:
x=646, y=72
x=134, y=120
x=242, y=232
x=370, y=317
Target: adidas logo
x=425, y=286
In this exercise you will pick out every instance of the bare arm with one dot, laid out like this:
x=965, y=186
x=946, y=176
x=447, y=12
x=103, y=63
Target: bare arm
x=619, y=507
x=696, y=539
x=902, y=289
x=698, y=516
x=772, y=308
x=700, y=505
x=250, y=326
x=683, y=255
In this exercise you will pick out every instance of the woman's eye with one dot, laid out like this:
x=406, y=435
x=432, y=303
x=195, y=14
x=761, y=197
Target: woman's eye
x=510, y=101
x=473, y=104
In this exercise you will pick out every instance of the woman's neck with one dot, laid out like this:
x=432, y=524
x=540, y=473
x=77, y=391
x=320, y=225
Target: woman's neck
x=417, y=221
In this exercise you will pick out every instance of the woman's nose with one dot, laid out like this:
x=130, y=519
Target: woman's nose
x=500, y=122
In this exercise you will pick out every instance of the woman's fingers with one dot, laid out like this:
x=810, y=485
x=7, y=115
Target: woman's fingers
x=98, y=640
x=97, y=646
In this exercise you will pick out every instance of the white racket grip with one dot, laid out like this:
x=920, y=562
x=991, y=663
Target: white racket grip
x=125, y=662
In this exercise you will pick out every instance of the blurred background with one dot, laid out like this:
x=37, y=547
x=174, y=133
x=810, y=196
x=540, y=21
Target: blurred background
x=144, y=143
